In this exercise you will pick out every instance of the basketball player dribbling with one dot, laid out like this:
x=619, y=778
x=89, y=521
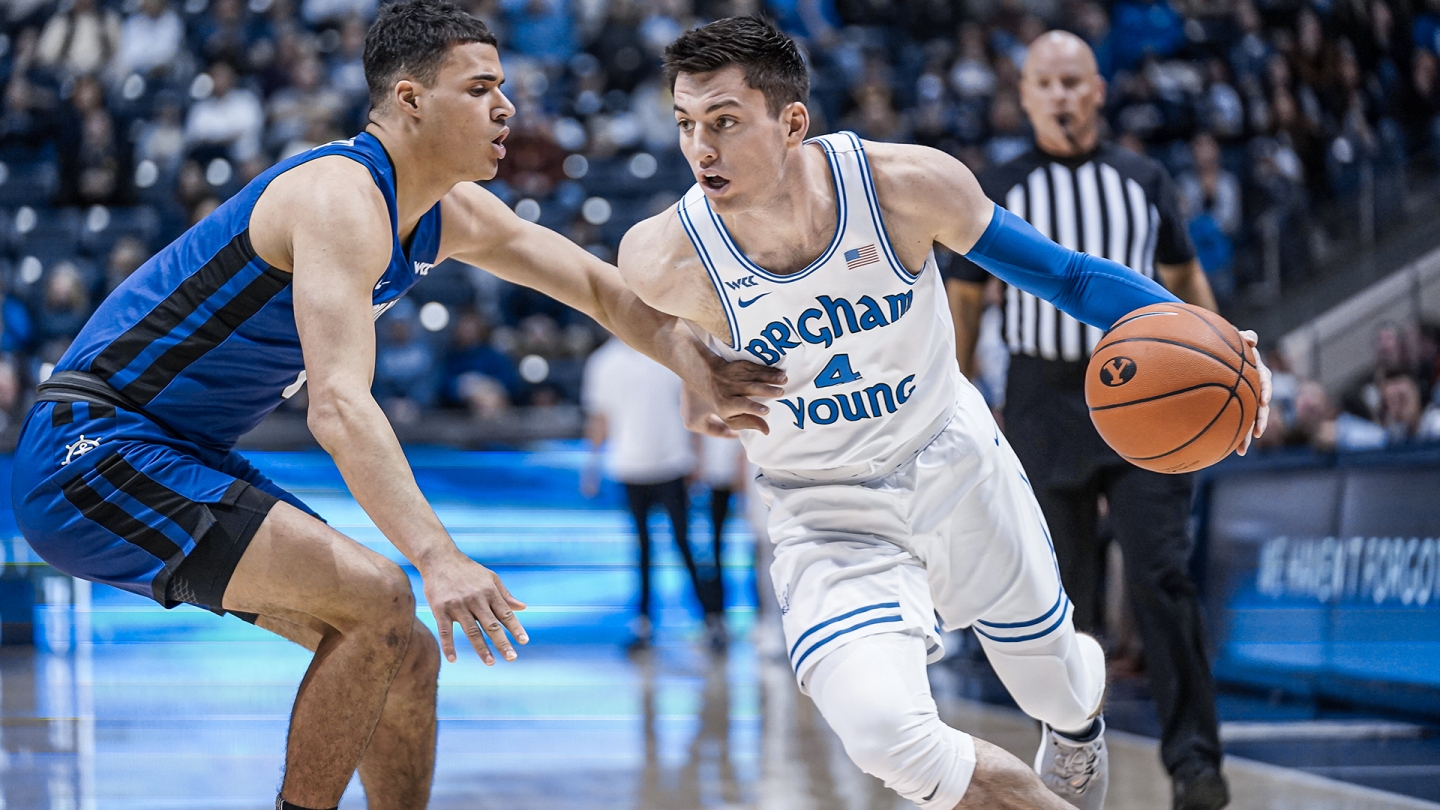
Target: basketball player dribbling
x=897, y=508
x=125, y=471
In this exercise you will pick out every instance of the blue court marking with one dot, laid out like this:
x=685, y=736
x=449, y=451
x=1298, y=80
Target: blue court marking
x=842, y=217
x=839, y=618
x=1059, y=597
x=868, y=184
x=1047, y=631
x=710, y=269
x=822, y=642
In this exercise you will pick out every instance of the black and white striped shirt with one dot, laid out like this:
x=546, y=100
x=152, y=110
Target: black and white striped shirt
x=1111, y=203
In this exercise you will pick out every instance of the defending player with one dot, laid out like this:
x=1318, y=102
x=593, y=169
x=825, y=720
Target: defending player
x=125, y=472
x=894, y=499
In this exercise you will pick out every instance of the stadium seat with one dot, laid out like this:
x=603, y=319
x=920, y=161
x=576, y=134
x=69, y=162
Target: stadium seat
x=53, y=236
x=102, y=227
x=28, y=183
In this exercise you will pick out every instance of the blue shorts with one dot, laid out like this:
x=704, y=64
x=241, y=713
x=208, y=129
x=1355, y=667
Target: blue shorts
x=107, y=495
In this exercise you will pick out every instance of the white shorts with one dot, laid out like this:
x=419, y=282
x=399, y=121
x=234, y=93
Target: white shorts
x=952, y=538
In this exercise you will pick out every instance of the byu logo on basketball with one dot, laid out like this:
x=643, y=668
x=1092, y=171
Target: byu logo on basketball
x=1117, y=371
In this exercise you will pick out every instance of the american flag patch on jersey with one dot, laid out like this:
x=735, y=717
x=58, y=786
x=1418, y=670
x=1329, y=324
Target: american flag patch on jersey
x=861, y=256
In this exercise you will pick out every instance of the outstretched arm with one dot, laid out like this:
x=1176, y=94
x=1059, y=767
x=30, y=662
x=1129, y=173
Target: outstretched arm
x=941, y=193
x=337, y=229
x=1095, y=291
x=481, y=230
x=936, y=189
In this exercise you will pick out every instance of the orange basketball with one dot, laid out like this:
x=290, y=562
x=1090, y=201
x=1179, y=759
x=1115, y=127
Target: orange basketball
x=1173, y=388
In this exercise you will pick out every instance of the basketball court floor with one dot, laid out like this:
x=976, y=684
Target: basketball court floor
x=126, y=705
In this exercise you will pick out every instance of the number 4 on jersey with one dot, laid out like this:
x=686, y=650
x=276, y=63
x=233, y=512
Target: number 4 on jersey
x=836, y=372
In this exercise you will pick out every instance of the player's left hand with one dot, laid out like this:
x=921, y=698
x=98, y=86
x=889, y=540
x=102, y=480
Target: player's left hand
x=1262, y=416
x=464, y=591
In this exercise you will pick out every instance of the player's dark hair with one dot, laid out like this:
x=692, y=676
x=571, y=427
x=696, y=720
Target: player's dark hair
x=411, y=38
x=771, y=62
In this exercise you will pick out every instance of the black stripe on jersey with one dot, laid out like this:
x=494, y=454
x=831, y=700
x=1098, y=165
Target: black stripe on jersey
x=207, y=336
x=176, y=307
x=63, y=414
x=101, y=410
x=192, y=518
x=121, y=523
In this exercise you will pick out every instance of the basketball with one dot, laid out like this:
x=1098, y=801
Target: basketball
x=1173, y=388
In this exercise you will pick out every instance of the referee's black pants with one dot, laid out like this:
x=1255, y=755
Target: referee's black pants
x=1070, y=467
x=673, y=498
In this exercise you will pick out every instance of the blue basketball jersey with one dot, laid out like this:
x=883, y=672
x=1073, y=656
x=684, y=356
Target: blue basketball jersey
x=202, y=336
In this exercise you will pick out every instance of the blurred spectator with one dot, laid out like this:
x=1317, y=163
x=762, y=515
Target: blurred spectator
x=80, y=40
x=125, y=258
x=151, y=38
x=534, y=163
x=632, y=407
x=1403, y=411
x=1224, y=111
x=1210, y=197
x=9, y=391
x=540, y=28
x=724, y=472
x=1209, y=189
x=226, y=115
x=317, y=12
x=404, y=366
x=65, y=305
x=92, y=171
x=1421, y=112
x=347, y=67
x=296, y=110
x=875, y=117
x=227, y=33
x=477, y=375
x=17, y=327
x=30, y=115
x=161, y=140
x=1144, y=28
x=1009, y=134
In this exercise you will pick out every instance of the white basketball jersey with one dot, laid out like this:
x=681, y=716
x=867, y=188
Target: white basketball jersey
x=869, y=348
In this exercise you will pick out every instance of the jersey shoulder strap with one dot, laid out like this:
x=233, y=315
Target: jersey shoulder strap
x=367, y=150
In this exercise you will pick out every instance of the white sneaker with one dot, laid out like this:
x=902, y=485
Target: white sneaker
x=1077, y=772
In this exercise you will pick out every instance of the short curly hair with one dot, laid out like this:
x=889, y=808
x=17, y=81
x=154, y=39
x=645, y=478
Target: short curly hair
x=411, y=38
x=771, y=61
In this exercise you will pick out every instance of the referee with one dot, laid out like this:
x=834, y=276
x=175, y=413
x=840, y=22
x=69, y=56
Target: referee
x=1103, y=200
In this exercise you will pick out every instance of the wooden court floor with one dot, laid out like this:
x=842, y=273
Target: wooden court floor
x=200, y=725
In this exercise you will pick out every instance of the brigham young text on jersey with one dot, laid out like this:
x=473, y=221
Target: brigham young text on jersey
x=833, y=327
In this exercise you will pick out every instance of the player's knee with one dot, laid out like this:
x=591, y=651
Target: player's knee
x=883, y=734
x=387, y=602
x=422, y=662
x=876, y=736
x=1061, y=682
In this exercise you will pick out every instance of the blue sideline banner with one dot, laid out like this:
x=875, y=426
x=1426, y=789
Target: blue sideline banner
x=1326, y=581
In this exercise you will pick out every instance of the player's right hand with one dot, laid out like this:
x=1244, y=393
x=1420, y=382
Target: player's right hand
x=464, y=591
x=729, y=405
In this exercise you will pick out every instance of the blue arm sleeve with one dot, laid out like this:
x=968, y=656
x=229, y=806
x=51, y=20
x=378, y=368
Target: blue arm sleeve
x=1094, y=290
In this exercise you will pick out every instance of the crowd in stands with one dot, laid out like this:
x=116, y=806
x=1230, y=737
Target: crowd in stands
x=1396, y=406
x=125, y=121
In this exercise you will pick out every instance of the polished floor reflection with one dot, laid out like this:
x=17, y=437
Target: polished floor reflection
x=138, y=708
x=201, y=725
